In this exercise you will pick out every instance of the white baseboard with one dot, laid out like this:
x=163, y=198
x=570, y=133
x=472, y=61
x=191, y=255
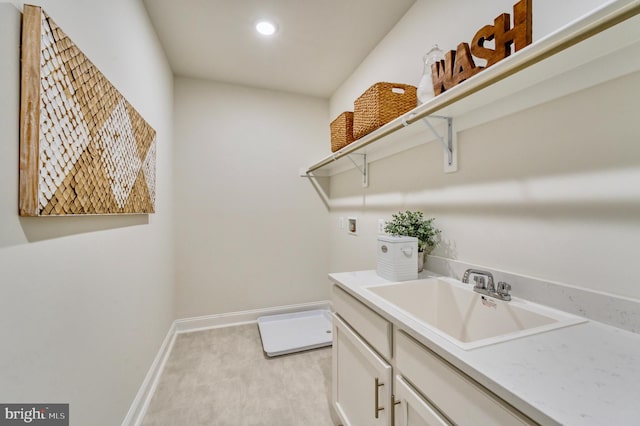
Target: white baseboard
x=188, y=325
x=143, y=397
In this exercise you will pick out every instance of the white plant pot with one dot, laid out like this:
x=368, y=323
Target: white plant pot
x=421, y=258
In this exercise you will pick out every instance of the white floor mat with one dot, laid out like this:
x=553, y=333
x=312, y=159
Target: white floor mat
x=299, y=331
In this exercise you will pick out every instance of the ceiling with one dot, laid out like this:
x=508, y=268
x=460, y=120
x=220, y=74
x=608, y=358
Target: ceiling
x=318, y=45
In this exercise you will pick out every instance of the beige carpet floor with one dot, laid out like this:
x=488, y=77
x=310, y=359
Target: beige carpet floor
x=221, y=377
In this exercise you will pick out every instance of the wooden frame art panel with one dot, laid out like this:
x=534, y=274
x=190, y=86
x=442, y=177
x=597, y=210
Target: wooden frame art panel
x=83, y=148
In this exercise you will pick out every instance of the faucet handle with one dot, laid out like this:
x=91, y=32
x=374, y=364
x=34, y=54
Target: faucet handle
x=504, y=289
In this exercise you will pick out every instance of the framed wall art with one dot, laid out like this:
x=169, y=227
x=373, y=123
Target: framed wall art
x=83, y=148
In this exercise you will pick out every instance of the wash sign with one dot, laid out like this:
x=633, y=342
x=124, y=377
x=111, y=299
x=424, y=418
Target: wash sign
x=34, y=414
x=458, y=65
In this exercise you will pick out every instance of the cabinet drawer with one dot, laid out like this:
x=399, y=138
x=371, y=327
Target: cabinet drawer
x=371, y=326
x=461, y=398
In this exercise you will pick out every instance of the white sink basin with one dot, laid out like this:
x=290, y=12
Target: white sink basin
x=467, y=318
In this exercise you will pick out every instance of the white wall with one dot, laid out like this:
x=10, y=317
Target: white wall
x=249, y=232
x=548, y=192
x=86, y=301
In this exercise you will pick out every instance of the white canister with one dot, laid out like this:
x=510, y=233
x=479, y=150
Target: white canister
x=397, y=257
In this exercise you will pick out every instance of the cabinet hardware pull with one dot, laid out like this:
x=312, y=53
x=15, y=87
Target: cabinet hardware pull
x=377, y=385
x=393, y=408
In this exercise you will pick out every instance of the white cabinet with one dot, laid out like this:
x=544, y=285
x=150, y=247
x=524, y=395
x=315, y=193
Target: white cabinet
x=361, y=380
x=411, y=409
x=426, y=390
x=460, y=398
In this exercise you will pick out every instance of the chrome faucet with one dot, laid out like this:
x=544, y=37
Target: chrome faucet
x=484, y=284
x=479, y=278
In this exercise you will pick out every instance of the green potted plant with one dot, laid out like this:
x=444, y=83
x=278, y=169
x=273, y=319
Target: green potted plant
x=413, y=224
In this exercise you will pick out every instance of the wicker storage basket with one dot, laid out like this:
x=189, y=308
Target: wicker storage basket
x=380, y=104
x=341, y=131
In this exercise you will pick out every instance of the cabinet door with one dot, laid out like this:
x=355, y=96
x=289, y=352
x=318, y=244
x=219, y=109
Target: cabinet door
x=412, y=409
x=361, y=380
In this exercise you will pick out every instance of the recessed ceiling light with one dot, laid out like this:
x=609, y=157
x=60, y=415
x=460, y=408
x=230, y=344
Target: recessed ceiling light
x=266, y=28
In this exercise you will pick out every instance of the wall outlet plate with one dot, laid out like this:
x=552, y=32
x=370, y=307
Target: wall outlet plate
x=352, y=226
x=381, y=224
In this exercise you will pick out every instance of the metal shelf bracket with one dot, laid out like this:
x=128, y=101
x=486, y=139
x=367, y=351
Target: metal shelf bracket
x=448, y=145
x=364, y=168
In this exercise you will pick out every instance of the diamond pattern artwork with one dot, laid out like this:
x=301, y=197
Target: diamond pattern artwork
x=83, y=148
x=149, y=168
x=119, y=153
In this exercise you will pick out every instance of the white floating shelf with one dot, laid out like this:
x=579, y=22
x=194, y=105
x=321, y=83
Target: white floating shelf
x=599, y=47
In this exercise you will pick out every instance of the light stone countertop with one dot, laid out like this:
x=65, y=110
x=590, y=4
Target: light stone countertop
x=584, y=374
